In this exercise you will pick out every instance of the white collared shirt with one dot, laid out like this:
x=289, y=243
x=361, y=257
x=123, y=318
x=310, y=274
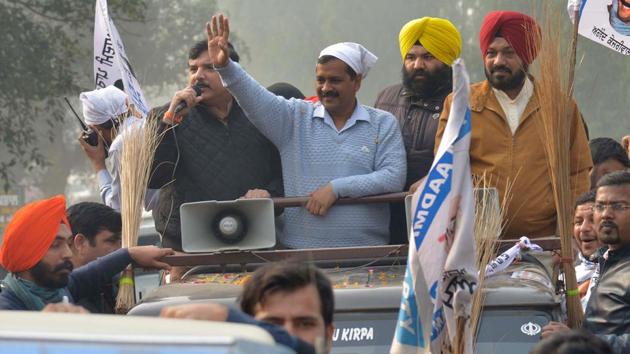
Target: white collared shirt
x=359, y=113
x=514, y=108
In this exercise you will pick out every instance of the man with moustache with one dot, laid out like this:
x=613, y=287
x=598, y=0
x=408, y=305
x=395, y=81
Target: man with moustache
x=36, y=252
x=608, y=309
x=428, y=47
x=507, y=129
x=585, y=235
x=210, y=150
x=331, y=149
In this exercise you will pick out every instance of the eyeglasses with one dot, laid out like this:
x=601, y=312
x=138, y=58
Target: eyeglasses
x=616, y=207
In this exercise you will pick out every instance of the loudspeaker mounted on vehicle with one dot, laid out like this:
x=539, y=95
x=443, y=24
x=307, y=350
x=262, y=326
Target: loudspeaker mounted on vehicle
x=212, y=226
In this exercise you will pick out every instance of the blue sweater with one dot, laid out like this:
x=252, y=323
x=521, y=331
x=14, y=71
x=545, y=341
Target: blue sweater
x=84, y=282
x=366, y=157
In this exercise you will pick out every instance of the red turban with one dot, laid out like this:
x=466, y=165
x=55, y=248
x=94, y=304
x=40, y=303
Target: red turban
x=30, y=233
x=520, y=30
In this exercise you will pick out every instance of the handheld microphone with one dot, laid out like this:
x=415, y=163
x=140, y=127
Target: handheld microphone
x=180, y=106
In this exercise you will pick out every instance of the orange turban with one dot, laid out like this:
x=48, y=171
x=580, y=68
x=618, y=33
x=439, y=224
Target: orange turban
x=30, y=233
x=520, y=30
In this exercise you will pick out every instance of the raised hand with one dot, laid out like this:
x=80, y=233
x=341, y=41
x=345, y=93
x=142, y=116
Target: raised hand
x=218, y=35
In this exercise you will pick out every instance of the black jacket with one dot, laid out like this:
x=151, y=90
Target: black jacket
x=204, y=158
x=608, y=309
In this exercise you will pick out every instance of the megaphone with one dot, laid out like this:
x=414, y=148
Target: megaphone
x=212, y=226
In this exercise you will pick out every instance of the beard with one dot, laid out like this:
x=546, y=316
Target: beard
x=48, y=277
x=433, y=83
x=511, y=81
x=608, y=233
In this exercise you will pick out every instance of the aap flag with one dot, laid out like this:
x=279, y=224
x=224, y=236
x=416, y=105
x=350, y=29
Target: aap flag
x=606, y=22
x=441, y=273
x=110, y=60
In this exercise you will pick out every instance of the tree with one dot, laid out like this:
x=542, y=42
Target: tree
x=40, y=48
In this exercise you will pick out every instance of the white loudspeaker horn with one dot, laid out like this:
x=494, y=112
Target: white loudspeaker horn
x=212, y=226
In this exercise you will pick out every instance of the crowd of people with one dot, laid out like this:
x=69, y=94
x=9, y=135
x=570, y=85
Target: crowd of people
x=234, y=138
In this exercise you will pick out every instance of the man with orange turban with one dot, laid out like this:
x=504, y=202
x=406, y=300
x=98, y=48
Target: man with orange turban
x=507, y=128
x=428, y=47
x=36, y=252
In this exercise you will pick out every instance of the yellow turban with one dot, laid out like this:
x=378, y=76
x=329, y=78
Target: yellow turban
x=437, y=35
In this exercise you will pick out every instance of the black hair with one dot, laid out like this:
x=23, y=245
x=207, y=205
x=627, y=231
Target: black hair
x=287, y=276
x=616, y=178
x=90, y=218
x=584, y=198
x=572, y=342
x=285, y=90
x=604, y=149
x=202, y=46
x=327, y=58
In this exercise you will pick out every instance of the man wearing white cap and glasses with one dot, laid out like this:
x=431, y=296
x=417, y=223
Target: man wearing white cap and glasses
x=331, y=149
x=104, y=110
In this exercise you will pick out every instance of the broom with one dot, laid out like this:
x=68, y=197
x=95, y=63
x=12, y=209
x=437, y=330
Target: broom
x=489, y=223
x=140, y=140
x=557, y=109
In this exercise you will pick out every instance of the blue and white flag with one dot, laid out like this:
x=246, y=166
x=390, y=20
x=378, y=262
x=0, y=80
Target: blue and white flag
x=110, y=60
x=441, y=274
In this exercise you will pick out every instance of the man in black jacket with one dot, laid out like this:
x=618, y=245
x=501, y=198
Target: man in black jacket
x=418, y=101
x=210, y=150
x=608, y=308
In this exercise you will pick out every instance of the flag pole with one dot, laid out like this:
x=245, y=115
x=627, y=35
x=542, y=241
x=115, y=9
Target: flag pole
x=573, y=51
x=574, y=307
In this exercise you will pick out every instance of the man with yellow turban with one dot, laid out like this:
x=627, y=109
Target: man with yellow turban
x=428, y=47
x=507, y=143
x=36, y=252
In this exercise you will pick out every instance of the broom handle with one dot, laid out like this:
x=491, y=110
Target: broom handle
x=573, y=51
x=292, y=202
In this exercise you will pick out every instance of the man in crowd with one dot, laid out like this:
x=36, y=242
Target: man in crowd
x=331, y=149
x=107, y=111
x=36, y=252
x=428, y=47
x=585, y=235
x=96, y=232
x=626, y=144
x=211, y=151
x=608, y=309
x=507, y=144
x=295, y=296
x=608, y=156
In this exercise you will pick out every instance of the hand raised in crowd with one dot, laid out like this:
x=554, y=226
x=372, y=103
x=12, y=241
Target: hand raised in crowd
x=256, y=193
x=187, y=95
x=321, y=200
x=62, y=307
x=218, y=35
x=554, y=327
x=149, y=256
x=204, y=312
x=96, y=154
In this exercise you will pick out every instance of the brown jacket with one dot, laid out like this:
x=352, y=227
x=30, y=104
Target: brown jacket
x=520, y=159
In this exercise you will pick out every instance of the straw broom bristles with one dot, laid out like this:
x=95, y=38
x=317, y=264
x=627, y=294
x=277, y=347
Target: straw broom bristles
x=489, y=223
x=556, y=110
x=140, y=140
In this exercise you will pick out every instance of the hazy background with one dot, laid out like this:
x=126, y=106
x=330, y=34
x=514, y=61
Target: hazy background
x=46, y=53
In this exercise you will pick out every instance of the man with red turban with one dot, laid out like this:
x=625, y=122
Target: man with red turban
x=507, y=128
x=36, y=252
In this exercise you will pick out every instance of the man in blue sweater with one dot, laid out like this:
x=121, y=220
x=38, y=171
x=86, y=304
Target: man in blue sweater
x=331, y=149
x=36, y=252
